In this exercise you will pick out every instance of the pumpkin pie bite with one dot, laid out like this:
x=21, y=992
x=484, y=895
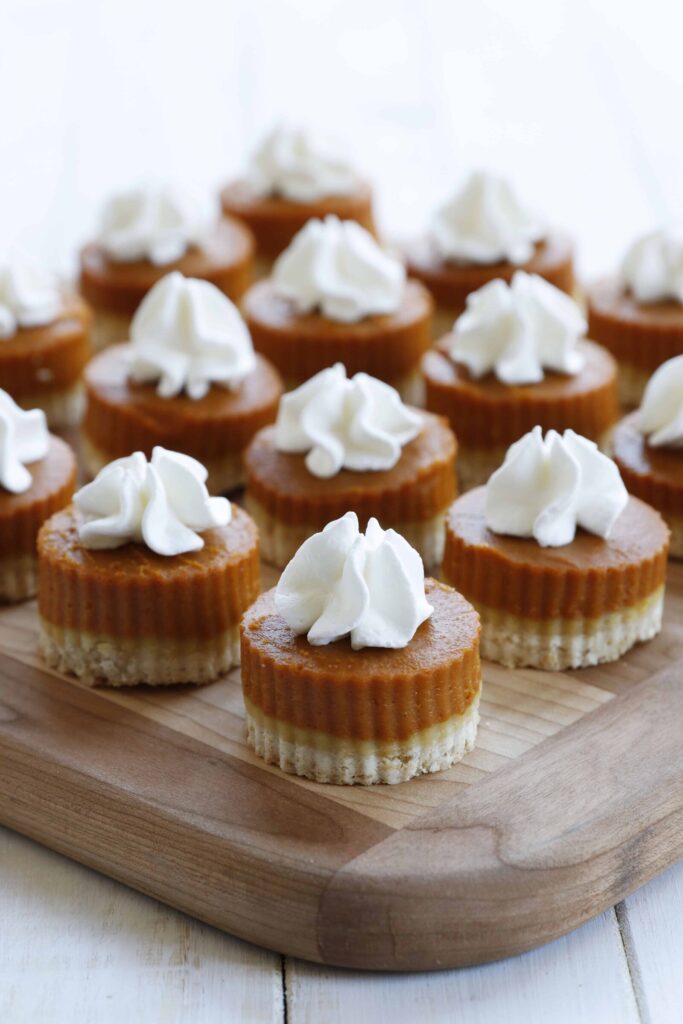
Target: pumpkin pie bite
x=648, y=448
x=290, y=180
x=565, y=569
x=517, y=357
x=355, y=669
x=638, y=315
x=343, y=444
x=144, y=578
x=44, y=343
x=144, y=235
x=188, y=380
x=481, y=234
x=336, y=296
x=37, y=477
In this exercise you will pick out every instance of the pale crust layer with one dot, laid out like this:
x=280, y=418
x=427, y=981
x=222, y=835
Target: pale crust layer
x=420, y=486
x=18, y=578
x=318, y=756
x=586, y=579
x=451, y=282
x=132, y=593
x=485, y=413
x=154, y=661
x=279, y=542
x=275, y=220
x=374, y=695
x=300, y=345
x=226, y=473
x=556, y=644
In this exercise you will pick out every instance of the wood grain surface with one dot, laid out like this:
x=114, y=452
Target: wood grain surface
x=572, y=799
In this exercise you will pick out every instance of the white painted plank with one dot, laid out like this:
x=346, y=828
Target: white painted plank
x=77, y=947
x=652, y=925
x=580, y=979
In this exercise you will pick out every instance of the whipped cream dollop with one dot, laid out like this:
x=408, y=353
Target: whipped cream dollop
x=24, y=438
x=162, y=503
x=547, y=487
x=187, y=335
x=147, y=224
x=369, y=587
x=486, y=223
x=519, y=330
x=652, y=269
x=338, y=268
x=661, y=411
x=289, y=163
x=359, y=424
x=28, y=297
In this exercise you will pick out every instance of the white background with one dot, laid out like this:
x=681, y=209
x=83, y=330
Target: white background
x=580, y=103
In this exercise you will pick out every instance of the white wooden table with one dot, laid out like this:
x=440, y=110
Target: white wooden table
x=579, y=101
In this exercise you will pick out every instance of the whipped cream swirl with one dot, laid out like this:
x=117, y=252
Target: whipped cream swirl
x=661, y=411
x=518, y=330
x=289, y=164
x=359, y=424
x=338, y=268
x=652, y=269
x=546, y=488
x=188, y=335
x=485, y=223
x=24, y=439
x=147, y=224
x=28, y=297
x=369, y=587
x=162, y=503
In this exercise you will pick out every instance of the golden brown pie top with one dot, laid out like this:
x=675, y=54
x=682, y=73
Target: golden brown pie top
x=419, y=486
x=373, y=693
x=224, y=258
x=586, y=578
x=655, y=474
x=131, y=590
x=644, y=334
x=301, y=344
x=54, y=480
x=123, y=416
x=450, y=281
x=274, y=219
x=484, y=412
x=49, y=357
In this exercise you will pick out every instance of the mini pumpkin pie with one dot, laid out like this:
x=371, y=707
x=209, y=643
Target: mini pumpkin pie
x=336, y=296
x=188, y=380
x=648, y=448
x=44, y=343
x=291, y=179
x=145, y=234
x=37, y=477
x=565, y=569
x=144, y=578
x=517, y=358
x=638, y=315
x=344, y=444
x=481, y=234
x=355, y=669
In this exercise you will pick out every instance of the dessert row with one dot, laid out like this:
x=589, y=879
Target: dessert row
x=355, y=668
x=330, y=293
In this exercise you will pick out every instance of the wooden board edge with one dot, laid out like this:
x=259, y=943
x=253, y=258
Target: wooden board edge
x=503, y=875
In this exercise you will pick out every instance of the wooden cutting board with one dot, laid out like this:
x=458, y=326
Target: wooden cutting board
x=572, y=799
